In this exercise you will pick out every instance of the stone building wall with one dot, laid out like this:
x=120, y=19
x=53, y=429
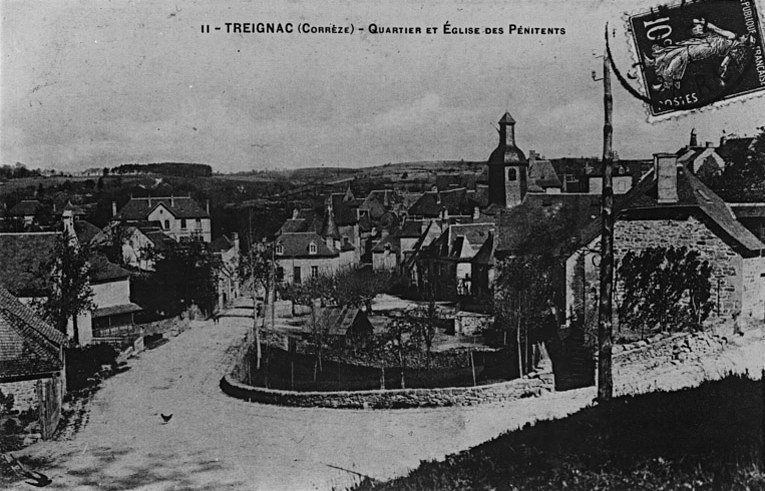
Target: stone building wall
x=24, y=393
x=727, y=281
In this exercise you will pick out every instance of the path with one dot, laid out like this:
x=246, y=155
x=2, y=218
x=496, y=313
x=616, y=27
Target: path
x=216, y=442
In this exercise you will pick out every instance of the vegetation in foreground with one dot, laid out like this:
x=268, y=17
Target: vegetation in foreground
x=710, y=437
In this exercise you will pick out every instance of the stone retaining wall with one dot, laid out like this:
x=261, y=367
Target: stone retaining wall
x=633, y=361
x=532, y=386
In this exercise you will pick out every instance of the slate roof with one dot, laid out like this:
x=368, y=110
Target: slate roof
x=23, y=257
x=343, y=210
x=390, y=242
x=543, y=221
x=411, y=229
x=296, y=244
x=430, y=204
x=475, y=233
x=85, y=231
x=104, y=271
x=116, y=310
x=693, y=198
x=485, y=254
x=29, y=347
x=179, y=206
x=542, y=173
x=340, y=320
x=25, y=207
x=221, y=244
x=380, y=199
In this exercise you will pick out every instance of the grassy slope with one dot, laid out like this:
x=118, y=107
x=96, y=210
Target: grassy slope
x=704, y=438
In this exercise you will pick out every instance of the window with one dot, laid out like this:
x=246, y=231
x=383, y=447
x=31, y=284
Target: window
x=512, y=174
x=279, y=249
x=296, y=275
x=183, y=223
x=167, y=224
x=199, y=223
x=312, y=248
x=314, y=271
x=279, y=274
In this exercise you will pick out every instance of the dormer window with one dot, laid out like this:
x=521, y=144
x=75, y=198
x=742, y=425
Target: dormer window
x=312, y=248
x=279, y=249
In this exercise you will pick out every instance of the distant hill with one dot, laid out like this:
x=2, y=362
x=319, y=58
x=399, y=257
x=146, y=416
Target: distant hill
x=166, y=169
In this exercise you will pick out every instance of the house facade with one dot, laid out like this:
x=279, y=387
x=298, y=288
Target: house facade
x=32, y=363
x=671, y=207
x=180, y=217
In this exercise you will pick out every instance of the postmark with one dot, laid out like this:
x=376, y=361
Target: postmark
x=693, y=55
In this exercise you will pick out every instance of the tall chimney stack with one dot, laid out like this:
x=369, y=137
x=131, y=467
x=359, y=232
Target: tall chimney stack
x=114, y=209
x=665, y=167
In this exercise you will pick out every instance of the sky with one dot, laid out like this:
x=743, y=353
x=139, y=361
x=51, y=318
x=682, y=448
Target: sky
x=92, y=84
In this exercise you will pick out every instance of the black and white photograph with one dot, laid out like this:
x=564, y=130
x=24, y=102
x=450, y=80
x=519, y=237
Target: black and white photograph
x=398, y=245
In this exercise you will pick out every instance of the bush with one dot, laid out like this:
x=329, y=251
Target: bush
x=84, y=363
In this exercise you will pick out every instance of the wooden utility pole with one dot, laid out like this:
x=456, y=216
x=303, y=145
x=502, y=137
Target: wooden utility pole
x=255, y=326
x=605, y=307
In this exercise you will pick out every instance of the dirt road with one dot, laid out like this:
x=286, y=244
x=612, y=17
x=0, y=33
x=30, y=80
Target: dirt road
x=216, y=442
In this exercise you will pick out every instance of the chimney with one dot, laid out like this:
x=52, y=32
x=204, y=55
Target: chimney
x=114, y=209
x=476, y=213
x=295, y=213
x=665, y=167
x=708, y=144
x=172, y=201
x=207, y=206
x=533, y=155
x=693, y=142
x=235, y=240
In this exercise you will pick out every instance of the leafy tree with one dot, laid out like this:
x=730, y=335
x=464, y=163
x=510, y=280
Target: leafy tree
x=185, y=274
x=423, y=322
x=71, y=294
x=665, y=288
x=355, y=286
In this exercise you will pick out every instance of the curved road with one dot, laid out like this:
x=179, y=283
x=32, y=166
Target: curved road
x=216, y=442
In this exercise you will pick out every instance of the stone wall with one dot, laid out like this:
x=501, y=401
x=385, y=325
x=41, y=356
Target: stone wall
x=532, y=386
x=732, y=275
x=753, y=297
x=632, y=361
x=24, y=393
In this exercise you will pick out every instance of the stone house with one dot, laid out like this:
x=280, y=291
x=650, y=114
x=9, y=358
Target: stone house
x=140, y=241
x=26, y=211
x=180, y=217
x=672, y=207
x=227, y=251
x=304, y=255
x=24, y=272
x=304, y=249
x=112, y=321
x=32, y=362
x=446, y=265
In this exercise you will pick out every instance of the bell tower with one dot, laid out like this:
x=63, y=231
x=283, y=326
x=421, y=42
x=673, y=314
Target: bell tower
x=508, y=167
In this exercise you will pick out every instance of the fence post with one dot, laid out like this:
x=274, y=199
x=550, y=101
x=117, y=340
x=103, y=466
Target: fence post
x=472, y=366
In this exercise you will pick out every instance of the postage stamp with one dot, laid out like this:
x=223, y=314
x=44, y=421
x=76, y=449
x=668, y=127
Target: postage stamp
x=696, y=54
